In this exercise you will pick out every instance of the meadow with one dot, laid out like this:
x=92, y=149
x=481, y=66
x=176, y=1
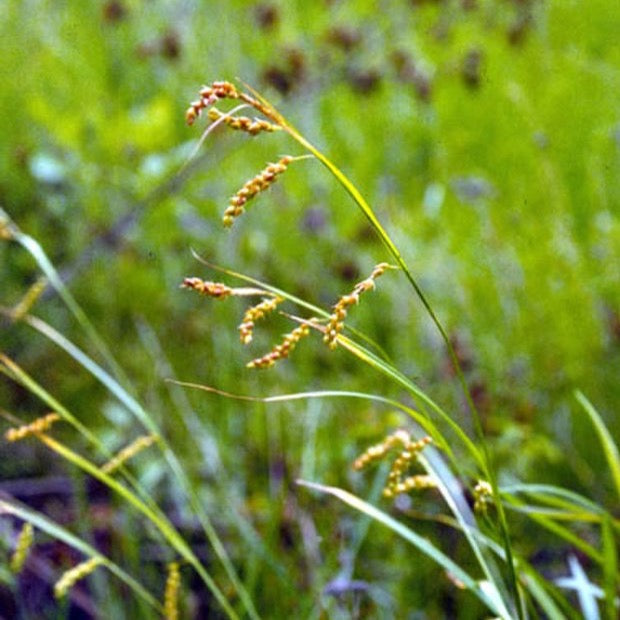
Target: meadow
x=425, y=194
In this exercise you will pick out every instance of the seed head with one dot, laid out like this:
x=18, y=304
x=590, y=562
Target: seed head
x=22, y=547
x=410, y=451
x=255, y=185
x=211, y=289
x=281, y=350
x=171, y=595
x=208, y=96
x=483, y=494
x=71, y=577
x=136, y=446
x=243, y=123
x=40, y=425
x=339, y=311
x=253, y=314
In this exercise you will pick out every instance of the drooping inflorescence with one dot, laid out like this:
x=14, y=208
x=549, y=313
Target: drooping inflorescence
x=171, y=594
x=40, y=425
x=281, y=350
x=205, y=287
x=255, y=185
x=243, y=123
x=136, y=446
x=31, y=296
x=225, y=90
x=72, y=576
x=483, y=495
x=253, y=314
x=339, y=311
x=410, y=450
x=22, y=547
x=208, y=96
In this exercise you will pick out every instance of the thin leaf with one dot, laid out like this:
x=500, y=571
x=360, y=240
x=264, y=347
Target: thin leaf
x=610, y=449
x=610, y=568
x=424, y=545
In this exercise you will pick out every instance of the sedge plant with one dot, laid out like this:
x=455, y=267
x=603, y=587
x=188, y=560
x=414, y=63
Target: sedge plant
x=434, y=452
x=509, y=586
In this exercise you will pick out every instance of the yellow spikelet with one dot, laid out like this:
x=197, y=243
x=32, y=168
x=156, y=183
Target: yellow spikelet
x=282, y=350
x=29, y=299
x=483, y=494
x=72, y=576
x=410, y=450
x=171, y=595
x=22, y=547
x=40, y=425
x=262, y=181
x=243, y=123
x=139, y=444
x=225, y=90
x=339, y=311
x=253, y=314
x=204, y=287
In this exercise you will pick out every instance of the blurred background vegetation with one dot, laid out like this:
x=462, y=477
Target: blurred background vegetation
x=487, y=136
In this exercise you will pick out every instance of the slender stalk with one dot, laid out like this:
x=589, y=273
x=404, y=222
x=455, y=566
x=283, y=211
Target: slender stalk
x=368, y=212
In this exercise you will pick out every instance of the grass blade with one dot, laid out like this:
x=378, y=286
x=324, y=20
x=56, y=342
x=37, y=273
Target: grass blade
x=610, y=449
x=424, y=545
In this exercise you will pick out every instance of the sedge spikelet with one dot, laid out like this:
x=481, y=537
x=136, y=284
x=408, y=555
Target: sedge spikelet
x=29, y=299
x=282, y=350
x=410, y=450
x=225, y=90
x=171, y=595
x=483, y=493
x=339, y=311
x=72, y=576
x=412, y=483
x=22, y=547
x=253, y=314
x=136, y=446
x=262, y=181
x=40, y=425
x=243, y=123
x=208, y=96
x=204, y=287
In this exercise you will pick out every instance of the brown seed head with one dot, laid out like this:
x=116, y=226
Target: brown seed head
x=339, y=311
x=208, y=96
x=243, y=123
x=281, y=350
x=253, y=314
x=255, y=185
x=205, y=287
